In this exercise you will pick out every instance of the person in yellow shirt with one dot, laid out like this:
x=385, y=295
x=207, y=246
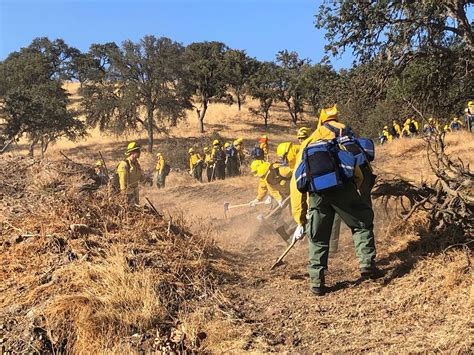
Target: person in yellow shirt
x=238, y=145
x=130, y=173
x=287, y=152
x=396, y=131
x=160, y=173
x=274, y=183
x=195, y=165
x=386, y=136
x=274, y=180
x=263, y=144
x=302, y=134
x=209, y=164
x=314, y=213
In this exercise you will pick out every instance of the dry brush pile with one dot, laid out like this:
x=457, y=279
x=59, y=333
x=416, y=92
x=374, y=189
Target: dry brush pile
x=446, y=204
x=84, y=272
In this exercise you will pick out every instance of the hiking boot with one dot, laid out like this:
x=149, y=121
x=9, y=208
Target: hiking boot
x=318, y=290
x=372, y=273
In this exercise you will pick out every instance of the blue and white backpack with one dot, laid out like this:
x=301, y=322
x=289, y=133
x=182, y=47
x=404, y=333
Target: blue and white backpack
x=363, y=149
x=324, y=165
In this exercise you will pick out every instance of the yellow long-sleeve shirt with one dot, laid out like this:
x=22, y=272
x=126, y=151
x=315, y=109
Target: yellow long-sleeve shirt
x=397, y=128
x=160, y=164
x=130, y=174
x=193, y=160
x=292, y=154
x=276, y=183
x=299, y=201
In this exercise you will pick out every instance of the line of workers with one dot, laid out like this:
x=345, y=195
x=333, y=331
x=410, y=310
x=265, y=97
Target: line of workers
x=313, y=210
x=411, y=128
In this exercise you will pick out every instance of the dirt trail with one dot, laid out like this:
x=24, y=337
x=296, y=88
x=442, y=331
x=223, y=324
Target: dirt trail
x=275, y=310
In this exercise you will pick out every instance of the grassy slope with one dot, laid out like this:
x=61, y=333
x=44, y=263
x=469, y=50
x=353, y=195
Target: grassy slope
x=422, y=304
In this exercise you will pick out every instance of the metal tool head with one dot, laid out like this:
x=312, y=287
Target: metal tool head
x=226, y=206
x=277, y=264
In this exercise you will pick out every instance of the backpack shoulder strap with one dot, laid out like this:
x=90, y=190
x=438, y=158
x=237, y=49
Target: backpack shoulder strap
x=333, y=129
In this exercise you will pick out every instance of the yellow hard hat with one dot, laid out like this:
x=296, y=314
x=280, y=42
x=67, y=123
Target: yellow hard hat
x=191, y=150
x=98, y=163
x=255, y=165
x=216, y=142
x=239, y=140
x=263, y=169
x=206, y=149
x=132, y=147
x=283, y=149
x=158, y=155
x=430, y=119
x=264, y=136
x=227, y=144
x=328, y=113
x=303, y=132
x=385, y=127
x=470, y=104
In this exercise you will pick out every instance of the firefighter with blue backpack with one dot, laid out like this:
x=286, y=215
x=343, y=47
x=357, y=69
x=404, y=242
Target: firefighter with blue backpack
x=324, y=183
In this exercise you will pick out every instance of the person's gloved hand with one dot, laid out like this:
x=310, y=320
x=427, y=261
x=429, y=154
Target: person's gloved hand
x=298, y=233
x=268, y=200
x=253, y=203
x=280, y=203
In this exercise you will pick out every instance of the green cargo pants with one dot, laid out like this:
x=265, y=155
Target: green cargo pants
x=358, y=216
x=365, y=188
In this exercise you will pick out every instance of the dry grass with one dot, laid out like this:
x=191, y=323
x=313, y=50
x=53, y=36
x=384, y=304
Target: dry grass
x=407, y=157
x=64, y=290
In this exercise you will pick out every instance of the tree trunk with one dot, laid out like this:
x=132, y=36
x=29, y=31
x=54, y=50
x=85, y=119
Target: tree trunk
x=201, y=114
x=266, y=119
x=31, y=148
x=150, y=128
x=239, y=101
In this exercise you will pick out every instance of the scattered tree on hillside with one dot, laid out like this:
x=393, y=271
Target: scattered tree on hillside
x=394, y=29
x=239, y=68
x=145, y=77
x=33, y=101
x=206, y=73
x=290, y=82
x=319, y=86
x=262, y=86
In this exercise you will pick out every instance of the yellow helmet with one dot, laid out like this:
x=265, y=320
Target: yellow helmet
x=430, y=119
x=191, y=150
x=158, y=155
x=263, y=169
x=385, y=127
x=470, y=104
x=328, y=113
x=239, y=140
x=255, y=165
x=227, y=144
x=206, y=149
x=264, y=136
x=283, y=149
x=216, y=142
x=303, y=133
x=98, y=163
x=132, y=147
